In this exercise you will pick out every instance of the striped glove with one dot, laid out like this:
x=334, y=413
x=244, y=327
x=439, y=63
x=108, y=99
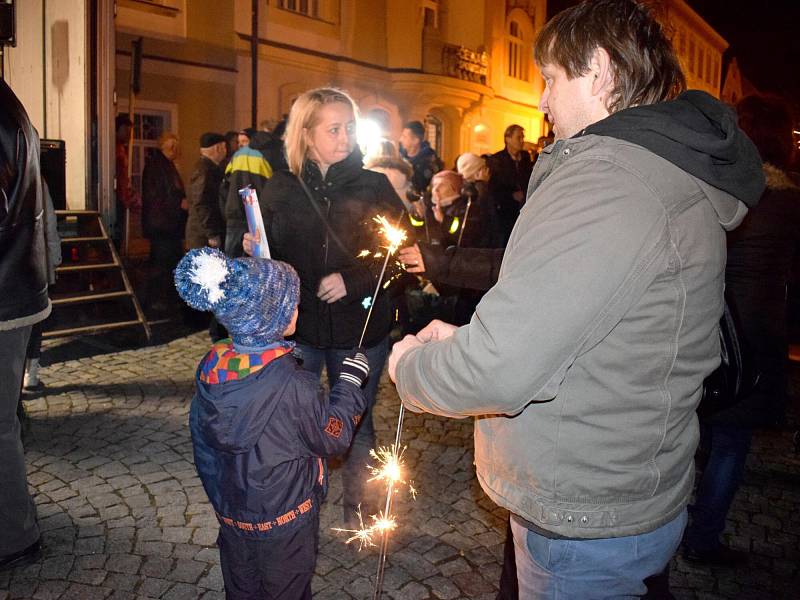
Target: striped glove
x=355, y=368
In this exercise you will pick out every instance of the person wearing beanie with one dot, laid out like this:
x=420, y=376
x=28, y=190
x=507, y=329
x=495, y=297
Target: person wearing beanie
x=205, y=225
x=262, y=426
x=248, y=167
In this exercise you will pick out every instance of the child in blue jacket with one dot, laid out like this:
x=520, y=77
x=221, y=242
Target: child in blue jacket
x=262, y=426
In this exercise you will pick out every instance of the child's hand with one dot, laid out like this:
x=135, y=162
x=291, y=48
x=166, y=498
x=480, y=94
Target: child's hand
x=355, y=368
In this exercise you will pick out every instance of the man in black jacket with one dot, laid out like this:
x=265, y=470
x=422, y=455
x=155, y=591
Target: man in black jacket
x=510, y=169
x=205, y=225
x=23, y=302
x=419, y=153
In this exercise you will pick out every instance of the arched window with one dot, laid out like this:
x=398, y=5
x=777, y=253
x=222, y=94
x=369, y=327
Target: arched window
x=433, y=132
x=519, y=35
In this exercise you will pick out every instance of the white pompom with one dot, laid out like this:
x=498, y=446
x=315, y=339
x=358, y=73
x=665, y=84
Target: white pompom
x=209, y=272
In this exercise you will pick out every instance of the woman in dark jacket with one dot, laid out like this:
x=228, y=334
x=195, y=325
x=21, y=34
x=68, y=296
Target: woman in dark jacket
x=760, y=256
x=321, y=236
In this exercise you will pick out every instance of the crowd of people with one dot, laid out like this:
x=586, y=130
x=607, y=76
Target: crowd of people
x=567, y=299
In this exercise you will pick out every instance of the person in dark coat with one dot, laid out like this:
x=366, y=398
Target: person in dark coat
x=510, y=171
x=23, y=303
x=164, y=214
x=416, y=150
x=262, y=426
x=320, y=233
x=205, y=225
x=761, y=252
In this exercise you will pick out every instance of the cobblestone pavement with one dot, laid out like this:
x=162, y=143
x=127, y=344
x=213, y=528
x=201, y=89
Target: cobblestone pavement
x=124, y=516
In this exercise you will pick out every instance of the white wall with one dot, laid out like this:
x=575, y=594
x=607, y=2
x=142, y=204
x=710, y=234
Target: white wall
x=48, y=71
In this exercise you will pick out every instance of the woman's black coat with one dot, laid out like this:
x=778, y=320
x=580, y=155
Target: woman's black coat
x=326, y=238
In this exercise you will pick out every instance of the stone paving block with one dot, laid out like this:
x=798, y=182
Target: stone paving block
x=56, y=521
x=49, y=590
x=156, y=567
x=122, y=581
x=454, y=567
x=94, y=530
x=152, y=587
x=92, y=577
x=205, y=536
x=442, y=588
x=186, y=571
x=181, y=591
x=412, y=591
x=208, y=555
x=124, y=563
x=91, y=561
x=212, y=579
x=93, y=545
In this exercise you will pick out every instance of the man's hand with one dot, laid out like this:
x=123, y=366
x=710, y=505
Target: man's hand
x=248, y=240
x=213, y=242
x=411, y=257
x=398, y=350
x=331, y=288
x=519, y=196
x=435, y=331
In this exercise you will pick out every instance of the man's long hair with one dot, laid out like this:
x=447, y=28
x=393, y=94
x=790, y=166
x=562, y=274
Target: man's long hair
x=645, y=67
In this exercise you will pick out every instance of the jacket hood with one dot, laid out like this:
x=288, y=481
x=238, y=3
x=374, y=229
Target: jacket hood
x=233, y=415
x=699, y=134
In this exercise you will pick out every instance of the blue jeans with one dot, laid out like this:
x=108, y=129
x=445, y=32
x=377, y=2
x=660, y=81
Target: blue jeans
x=592, y=569
x=354, y=472
x=728, y=446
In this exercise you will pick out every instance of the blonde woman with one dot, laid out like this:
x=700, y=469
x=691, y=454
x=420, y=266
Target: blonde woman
x=320, y=230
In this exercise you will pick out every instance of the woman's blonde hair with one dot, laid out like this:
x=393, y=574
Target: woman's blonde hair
x=304, y=116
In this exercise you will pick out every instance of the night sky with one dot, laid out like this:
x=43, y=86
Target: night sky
x=764, y=37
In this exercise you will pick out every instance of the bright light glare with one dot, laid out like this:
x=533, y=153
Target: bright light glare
x=369, y=135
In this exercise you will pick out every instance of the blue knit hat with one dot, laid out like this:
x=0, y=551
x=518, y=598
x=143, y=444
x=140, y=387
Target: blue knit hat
x=254, y=298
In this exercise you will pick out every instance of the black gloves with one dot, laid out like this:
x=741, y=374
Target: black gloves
x=355, y=368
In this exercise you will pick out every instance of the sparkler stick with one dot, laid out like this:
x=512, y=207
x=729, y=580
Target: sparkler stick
x=394, y=237
x=387, y=511
x=464, y=226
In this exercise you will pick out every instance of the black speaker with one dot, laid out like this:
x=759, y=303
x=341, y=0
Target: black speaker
x=8, y=25
x=53, y=164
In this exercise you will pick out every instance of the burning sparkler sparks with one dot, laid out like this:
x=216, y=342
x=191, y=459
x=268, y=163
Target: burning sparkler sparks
x=364, y=535
x=394, y=235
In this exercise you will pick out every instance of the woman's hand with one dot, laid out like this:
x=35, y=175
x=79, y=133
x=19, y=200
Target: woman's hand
x=248, y=240
x=411, y=257
x=331, y=288
x=438, y=214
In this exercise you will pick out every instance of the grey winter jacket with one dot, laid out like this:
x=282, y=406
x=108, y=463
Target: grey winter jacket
x=584, y=363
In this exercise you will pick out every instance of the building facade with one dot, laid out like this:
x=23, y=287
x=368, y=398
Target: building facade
x=463, y=67
x=698, y=45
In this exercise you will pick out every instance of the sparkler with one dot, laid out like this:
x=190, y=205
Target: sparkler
x=394, y=237
x=391, y=472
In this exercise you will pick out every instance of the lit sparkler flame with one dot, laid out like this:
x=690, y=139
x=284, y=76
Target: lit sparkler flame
x=390, y=465
x=364, y=535
x=394, y=235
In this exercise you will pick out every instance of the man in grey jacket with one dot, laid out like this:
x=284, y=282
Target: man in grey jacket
x=584, y=363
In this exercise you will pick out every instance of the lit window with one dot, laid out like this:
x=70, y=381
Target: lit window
x=309, y=8
x=517, y=61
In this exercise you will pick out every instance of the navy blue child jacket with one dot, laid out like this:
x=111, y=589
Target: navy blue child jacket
x=260, y=444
